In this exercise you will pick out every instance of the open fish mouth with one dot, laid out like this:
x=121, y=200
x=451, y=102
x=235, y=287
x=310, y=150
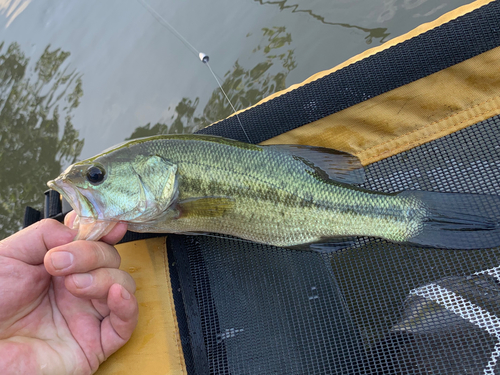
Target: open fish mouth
x=77, y=200
x=89, y=226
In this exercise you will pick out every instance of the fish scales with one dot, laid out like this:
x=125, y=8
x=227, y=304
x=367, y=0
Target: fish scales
x=294, y=207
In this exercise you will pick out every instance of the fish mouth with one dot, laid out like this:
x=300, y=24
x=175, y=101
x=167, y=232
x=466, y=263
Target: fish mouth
x=77, y=200
x=89, y=227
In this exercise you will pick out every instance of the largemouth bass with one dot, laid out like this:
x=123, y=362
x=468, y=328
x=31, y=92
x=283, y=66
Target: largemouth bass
x=287, y=195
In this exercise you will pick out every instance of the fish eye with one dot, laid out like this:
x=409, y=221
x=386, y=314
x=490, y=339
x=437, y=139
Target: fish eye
x=95, y=175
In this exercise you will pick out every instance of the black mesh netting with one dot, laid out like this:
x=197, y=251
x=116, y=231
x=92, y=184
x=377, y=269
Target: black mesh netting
x=374, y=308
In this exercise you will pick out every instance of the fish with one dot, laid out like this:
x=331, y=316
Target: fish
x=280, y=195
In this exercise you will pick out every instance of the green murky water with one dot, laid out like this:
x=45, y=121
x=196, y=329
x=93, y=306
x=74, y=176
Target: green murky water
x=79, y=76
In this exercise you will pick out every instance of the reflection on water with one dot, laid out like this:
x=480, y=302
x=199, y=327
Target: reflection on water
x=36, y=101
x=379, y=33
x=244, y=86
x=12, y=8
x=391, y=6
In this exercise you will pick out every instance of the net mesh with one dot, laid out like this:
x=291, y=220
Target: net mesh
x=373, y=308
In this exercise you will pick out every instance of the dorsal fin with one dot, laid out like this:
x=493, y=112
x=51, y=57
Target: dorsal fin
x=336, y=165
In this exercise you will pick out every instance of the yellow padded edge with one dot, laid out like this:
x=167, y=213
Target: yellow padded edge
x=155, y=346
x=411, y=115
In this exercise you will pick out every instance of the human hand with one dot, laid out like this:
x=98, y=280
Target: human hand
x=65, y=307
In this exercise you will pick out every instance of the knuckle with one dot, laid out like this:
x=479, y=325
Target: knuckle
x=126, y=280
x=48, y=225
x=100, y=254
x=104, y=255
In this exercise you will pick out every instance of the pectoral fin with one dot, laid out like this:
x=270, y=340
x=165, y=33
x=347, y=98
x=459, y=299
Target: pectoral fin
x=204, y=207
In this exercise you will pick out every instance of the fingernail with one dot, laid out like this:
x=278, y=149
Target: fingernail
x=61, y=259
x=82, y=280
x=125, y=293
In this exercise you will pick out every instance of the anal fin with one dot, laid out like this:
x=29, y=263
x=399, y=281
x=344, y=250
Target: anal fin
x=327, y=245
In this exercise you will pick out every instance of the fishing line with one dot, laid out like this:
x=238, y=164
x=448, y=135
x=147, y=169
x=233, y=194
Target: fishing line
x=203, y=57
x=231, y=104
x=169, y=27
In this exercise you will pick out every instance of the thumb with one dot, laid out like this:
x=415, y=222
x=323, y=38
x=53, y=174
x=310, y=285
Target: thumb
x=30, y=244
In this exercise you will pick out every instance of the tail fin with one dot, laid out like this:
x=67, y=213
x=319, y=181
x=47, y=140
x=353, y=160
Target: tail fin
x=458, y=221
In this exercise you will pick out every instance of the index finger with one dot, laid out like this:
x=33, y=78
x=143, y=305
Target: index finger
x=30, y=244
